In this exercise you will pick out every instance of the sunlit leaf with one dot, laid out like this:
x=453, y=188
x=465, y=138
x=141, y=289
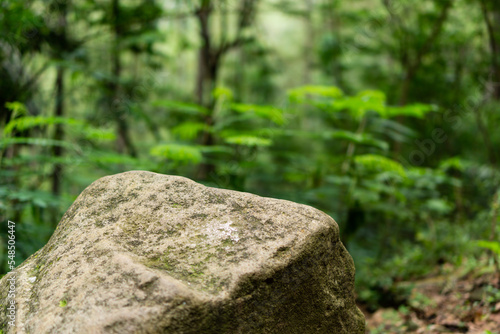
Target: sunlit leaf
x=189, y=130
x=17, y=108
x=98, y=134
x=248, y=141
x=178, y=152
x=453, y=163
x=379, y=163
x=491, y=245
x=301, y=94
x=27, y=122
x=223, y=92
x=267, y=112
x=417, y=110
x=358, y=105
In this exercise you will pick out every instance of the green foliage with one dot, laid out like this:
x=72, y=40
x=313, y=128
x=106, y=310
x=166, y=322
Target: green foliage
x=190, y=130
x=28, y=122
x=178, y=153
x=357, y=138
x=361, y=103
x=17, y=108
x=378, y=163
x=181, y=107
x=266, y=112
x=493, y=246
x=417, y=110
x=302, y=94
x=248, y=141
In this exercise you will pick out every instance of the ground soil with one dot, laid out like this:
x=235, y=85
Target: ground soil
x=467, y=304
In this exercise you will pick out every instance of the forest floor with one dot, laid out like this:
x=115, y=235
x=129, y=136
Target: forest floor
x=461, y=303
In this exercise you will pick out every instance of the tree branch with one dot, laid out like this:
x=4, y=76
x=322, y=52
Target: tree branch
x=436, y=31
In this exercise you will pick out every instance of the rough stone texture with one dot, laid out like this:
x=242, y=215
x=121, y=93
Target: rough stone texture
x=140, y=252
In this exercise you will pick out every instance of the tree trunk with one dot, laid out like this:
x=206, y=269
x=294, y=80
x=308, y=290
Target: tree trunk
x=205, y=52
x=123, y=142
x=209, y=63
x=57, y=151
x=334, y=26
x=412, y=66
x=309, y=42
x=211, y=70
x=491, y=16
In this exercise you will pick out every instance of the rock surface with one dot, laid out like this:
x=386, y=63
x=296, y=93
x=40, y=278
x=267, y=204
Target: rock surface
x=140, y=252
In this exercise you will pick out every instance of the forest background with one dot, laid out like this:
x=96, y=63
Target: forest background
x=384, y=114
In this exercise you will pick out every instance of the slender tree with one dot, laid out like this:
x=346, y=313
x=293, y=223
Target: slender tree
x=60, y=49
x=210, y=58
x=409, y=57
x=491, y=14
x=116, y=105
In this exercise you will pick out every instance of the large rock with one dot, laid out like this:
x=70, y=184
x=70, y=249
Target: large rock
x=141, y=252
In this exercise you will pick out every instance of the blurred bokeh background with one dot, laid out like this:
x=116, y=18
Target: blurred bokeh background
x=384, y=114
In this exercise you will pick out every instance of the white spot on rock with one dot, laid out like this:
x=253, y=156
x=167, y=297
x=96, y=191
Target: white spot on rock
x=219, y=232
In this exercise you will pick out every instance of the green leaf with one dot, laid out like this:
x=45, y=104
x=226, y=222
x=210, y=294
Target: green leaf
x=248, y=141
x=438, y=206
x=358, y=138
x=34, y=141
x=27, y=122
x=148, y=37
x=107, y=158
x=379, y=163
x=491, y=245
x=63, y=303
x=188, y=108
x=215, y=149
x=267, y=112
x=455, y=163
x=189, y=130
x=39, y=198
x=16, y=108
x=178, y=152
x=357, y=106
x=223, y=92
x=92, y=133
x=303, y=93
x=417, y=110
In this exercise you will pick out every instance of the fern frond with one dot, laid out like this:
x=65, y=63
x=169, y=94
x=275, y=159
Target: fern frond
x=27, y=122
x=358, y=105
